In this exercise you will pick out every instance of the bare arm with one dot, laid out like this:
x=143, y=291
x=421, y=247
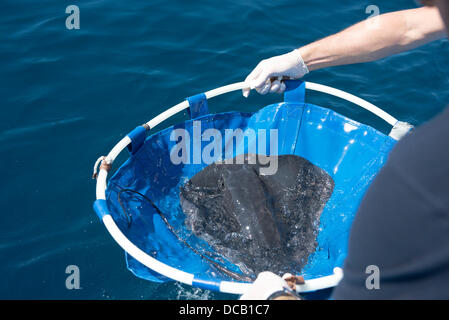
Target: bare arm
x=365, y=41
x=369, y=40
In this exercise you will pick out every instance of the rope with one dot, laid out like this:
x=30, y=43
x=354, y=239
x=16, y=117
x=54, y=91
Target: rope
x=223, y=269
x=95, y=174
x=104, y=165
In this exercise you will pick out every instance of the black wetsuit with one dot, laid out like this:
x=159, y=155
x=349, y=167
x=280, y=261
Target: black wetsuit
x=402, y=225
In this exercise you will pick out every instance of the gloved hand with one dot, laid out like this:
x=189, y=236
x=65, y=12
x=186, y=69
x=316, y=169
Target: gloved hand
x=268, y=285
x=269, y=73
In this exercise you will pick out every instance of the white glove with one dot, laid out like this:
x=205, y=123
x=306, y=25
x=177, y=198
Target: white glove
x=267, y=284
x=289, y=65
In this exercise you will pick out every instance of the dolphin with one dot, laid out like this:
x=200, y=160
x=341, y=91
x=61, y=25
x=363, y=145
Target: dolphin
x=258, y=221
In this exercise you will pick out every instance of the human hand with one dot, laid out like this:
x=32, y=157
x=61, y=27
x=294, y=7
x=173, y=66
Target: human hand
x=269, y=285
x=269, y=73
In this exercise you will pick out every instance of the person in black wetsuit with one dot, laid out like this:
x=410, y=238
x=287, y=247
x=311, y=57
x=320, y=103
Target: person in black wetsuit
x=402, y=225
x=399, y=240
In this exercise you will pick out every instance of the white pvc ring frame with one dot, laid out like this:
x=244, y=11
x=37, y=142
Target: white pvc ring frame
x=187, y=278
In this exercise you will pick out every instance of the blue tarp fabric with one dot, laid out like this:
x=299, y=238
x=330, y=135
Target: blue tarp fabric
x=350, y=152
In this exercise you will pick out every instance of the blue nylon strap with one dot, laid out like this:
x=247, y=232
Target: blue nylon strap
x=198, y=105
x=295, y=91
x=137, y=137
x=101, y=208
x=206, y=284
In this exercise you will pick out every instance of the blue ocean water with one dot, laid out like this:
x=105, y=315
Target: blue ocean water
x=68, y=96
